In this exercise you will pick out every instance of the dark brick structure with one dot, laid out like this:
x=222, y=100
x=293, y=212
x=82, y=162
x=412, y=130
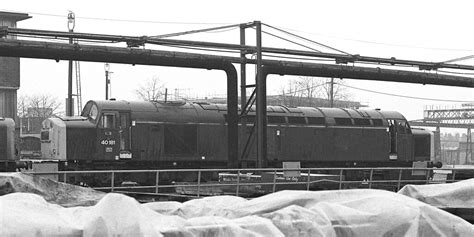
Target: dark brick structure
x=9, y=70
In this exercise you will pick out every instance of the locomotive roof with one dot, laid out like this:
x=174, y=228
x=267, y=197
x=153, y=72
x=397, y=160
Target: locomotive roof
x=155, y=106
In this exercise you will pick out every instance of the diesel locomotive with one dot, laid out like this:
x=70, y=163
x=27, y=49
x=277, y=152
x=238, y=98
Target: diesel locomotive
x=158, y=135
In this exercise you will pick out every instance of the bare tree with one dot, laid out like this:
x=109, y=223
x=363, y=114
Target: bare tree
x=304, y=91
x=41, y=106
x=152, y=90
x=22, y=106
x=334, y=90
x=289, y=93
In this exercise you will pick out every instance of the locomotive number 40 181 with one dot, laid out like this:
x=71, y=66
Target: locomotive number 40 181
x=107, y=142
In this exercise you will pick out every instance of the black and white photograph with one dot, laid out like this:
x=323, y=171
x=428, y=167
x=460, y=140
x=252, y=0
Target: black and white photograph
x=236, y=118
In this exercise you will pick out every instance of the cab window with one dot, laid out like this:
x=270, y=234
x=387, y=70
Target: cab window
x=403, y=127
x=107, y=120
x=90, y=111
x=93, y=112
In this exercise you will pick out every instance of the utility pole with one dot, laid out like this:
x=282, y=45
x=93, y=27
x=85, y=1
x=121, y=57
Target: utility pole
x=107, y=80
x=331, y=91
x=261, y=88
x=70, y=103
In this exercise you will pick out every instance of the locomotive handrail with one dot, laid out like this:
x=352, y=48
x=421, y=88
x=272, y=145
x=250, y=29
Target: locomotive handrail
x=247, y=169
x=243, y=178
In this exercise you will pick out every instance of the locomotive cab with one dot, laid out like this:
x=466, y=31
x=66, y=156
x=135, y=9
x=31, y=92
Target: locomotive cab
x=112, y=140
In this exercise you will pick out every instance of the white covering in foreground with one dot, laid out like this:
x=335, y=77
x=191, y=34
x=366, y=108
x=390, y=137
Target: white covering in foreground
x=67, y=195
x=454, y=195
x=286, y=213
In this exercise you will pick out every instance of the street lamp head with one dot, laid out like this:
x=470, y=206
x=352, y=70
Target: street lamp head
x=106, y=67
x=71, y=21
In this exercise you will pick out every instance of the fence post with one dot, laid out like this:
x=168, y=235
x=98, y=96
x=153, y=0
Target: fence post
x=399, y=179
x=112, y=181
x=274, y=180
x=199, y=183
x=427, y=175
x=308, y=179
x=370, y=178
x=64, y=178
x=340, y=179
x=238, y=184
x=157, y=180
x=454, y=175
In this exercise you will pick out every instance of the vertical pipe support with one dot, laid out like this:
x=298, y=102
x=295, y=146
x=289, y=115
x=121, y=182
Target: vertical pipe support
x=243, y=79
x=261, y=102
x=232, y=115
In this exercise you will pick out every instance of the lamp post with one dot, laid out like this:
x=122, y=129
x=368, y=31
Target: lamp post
x=107, y=81
x=70, y=103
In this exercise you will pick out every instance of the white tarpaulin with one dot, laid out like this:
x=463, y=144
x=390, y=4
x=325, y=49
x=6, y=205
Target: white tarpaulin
x=454, y=195
x=52, y=191
x=286, y=213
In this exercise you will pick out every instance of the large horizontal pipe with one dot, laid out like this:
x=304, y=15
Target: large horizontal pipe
x=364, y=73
x=340, y=71
x=134, y=40
x=43, y=50
x=61, y=51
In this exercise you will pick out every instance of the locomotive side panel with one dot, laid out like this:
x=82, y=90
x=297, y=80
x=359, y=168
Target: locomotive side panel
x=323, y=145
x=374, y=145
x=147, y=141
x=247, y=146
x=81, y=144
x=180, y=142
x=307, y=145
x=212, y=143
x=274, y=142
x=346, y=144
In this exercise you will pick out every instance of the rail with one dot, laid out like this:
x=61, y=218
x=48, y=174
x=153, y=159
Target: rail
x=254, y=182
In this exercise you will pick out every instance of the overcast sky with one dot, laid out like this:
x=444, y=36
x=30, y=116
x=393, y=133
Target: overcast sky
x=418, y=30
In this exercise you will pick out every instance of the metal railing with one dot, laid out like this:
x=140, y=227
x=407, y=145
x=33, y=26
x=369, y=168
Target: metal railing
x=253, y=182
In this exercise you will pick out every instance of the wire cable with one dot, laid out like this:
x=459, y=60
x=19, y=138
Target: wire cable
x=312, y=41
x=196, y=31
x=293, y=42
x=404, y=96
x=459, y=59
x=379, y=43
x=126, y=20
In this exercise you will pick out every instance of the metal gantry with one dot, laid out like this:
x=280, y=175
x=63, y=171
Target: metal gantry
x=449, y=117
x=264, y=67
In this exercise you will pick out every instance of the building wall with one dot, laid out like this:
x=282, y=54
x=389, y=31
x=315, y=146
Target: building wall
x=8, y=103
x=9, y=71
